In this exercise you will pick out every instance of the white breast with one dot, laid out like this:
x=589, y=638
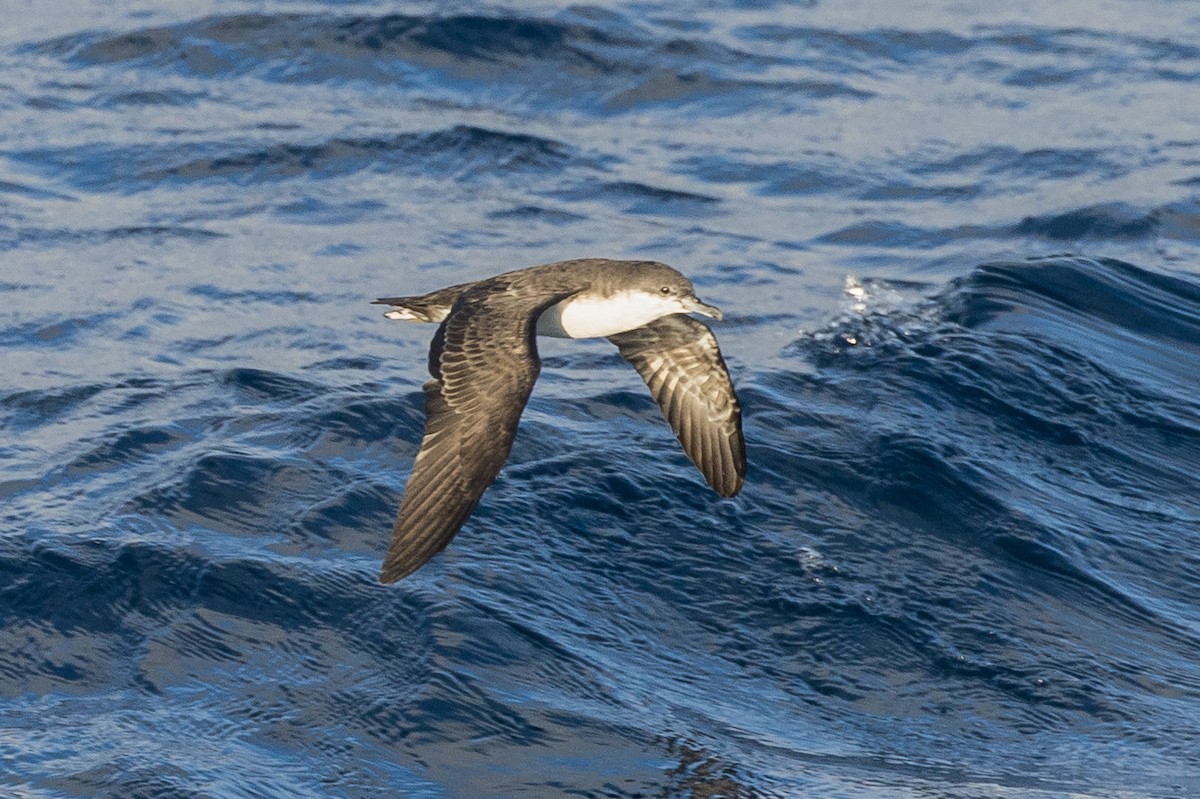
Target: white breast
x=594, y=317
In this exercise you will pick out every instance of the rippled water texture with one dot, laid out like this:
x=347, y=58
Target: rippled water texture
x=957, y=245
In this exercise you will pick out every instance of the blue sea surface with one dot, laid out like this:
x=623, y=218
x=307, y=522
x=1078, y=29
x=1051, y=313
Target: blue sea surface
x=958, y=248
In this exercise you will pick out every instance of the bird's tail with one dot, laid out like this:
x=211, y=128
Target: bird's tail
x=432, y=307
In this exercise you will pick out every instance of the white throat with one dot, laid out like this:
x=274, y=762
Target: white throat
x=590, y=316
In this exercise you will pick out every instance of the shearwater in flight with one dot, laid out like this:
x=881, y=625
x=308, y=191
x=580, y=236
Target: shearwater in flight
x=484, y=362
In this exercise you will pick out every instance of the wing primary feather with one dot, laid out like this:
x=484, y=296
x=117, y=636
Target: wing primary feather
x=679, y=360
x=484, y=363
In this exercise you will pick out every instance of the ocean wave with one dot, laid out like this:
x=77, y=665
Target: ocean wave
x=964, y=561
x=1070, y=375
x=582, y=60
x=958, y=518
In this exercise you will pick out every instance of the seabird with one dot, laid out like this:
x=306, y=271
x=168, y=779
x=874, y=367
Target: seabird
x=484, y=362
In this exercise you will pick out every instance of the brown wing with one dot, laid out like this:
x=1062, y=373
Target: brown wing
x=484, y=364
x=679, y=359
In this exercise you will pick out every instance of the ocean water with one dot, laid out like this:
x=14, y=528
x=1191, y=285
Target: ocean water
x=958, y=248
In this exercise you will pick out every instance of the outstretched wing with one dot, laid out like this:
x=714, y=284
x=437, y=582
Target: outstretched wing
x=679, y=359
x=484, y=363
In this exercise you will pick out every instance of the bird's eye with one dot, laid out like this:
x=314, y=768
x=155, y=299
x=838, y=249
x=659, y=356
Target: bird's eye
x=665, y=289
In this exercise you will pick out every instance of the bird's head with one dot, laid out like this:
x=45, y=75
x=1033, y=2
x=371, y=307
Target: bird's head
x=670, y=290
